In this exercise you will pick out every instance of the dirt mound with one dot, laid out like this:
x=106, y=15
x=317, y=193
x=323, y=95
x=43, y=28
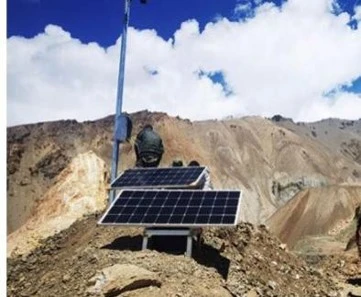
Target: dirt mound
x=240, y=261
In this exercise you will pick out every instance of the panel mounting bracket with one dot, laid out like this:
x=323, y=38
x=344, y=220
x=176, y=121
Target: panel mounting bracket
x=189, y=232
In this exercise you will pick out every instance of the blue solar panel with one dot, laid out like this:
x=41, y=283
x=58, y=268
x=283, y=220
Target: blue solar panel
x=173, y=208
x=173, y=177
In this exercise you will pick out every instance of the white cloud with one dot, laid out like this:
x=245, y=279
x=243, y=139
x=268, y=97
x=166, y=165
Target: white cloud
x=341, y=105
x=357, y=15
x=243, y=7
x=279, y=62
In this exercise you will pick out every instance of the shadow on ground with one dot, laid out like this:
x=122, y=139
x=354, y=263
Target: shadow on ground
x=204, y=254
x=354, y=281
x=125, y=243
x=207, y=255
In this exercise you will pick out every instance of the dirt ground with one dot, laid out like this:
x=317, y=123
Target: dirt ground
x=241, y=261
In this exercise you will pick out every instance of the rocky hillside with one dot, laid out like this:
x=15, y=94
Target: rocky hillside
x=269, y=160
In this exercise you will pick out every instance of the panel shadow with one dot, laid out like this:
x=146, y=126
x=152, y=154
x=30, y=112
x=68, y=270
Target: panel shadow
x=202, y=253
x=125, y=243
x=354, y=281
x=207, y=255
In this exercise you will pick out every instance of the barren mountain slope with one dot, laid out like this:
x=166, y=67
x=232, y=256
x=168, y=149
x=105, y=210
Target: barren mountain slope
x=340, y=136
x=269, y=163
x=316, y=212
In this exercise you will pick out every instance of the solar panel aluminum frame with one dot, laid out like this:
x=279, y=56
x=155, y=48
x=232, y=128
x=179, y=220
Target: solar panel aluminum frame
x=237, y=216
x=190, y=186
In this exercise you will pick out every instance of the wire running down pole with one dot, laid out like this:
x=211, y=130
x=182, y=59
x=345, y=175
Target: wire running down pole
x=120, y=91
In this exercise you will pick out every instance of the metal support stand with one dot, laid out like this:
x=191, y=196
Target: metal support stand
x=189, y=232
x=145, y=241
x=189, y=245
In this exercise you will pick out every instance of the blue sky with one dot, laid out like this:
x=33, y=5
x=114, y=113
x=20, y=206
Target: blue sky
x=100, y=21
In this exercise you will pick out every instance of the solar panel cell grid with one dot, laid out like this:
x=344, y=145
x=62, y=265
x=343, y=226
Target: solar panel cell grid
x=173, y=207
x=174, y=177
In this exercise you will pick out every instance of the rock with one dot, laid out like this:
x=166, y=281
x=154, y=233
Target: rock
x=252, y=293
x=93, y=259
x=66, y=278
x=259, y=291
x=272, y=285
x=355, y=292
x=283, y=246
x=119, y=278
x=258, y=256
x=25, y=181
x=206, y=291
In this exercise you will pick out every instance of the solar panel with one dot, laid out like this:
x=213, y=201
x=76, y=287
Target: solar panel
x=173, y=177
x=186, y=208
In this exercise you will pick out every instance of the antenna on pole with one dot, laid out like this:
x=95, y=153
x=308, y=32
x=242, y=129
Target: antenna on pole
x=120, y=123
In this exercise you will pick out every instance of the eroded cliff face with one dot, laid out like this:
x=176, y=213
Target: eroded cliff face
x=80, y=189
x=268, y=161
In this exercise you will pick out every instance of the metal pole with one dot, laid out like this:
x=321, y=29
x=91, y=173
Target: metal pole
x=120, y=89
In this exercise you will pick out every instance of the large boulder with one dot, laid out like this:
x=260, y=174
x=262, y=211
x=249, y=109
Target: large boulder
x=119, y=278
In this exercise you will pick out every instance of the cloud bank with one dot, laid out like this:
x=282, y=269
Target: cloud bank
x=291, y=60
